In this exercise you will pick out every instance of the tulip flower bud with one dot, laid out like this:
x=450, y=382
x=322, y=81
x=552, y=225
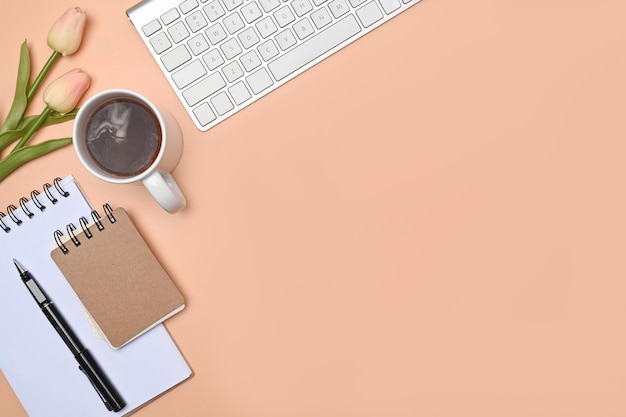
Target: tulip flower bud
x=67, y=32
x=63, y=94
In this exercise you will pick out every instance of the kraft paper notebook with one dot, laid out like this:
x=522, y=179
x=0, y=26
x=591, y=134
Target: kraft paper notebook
x=35, y=361
x=116, y=276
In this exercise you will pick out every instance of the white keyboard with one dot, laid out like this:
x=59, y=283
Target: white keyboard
x=222, y=55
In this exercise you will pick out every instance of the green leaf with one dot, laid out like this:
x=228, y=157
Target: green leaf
x=28, y=153
x=54, y=118
x=19, y=100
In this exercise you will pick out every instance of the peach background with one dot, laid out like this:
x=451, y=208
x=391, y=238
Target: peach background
x=430, y=223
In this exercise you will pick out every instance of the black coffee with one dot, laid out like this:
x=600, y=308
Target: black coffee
x=123, y=137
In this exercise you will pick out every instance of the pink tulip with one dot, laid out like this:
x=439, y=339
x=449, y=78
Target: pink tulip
x=63, y=94
x=67, y=32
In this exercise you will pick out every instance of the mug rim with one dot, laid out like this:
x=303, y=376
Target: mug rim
x=79, y=124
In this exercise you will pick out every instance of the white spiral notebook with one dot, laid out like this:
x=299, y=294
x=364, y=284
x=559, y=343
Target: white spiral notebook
x=36, y=362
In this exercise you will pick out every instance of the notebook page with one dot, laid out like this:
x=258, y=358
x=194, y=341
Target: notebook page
x=38, y=365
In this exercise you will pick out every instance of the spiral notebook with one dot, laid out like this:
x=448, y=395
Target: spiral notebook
x=35, y=361
x=116, y=276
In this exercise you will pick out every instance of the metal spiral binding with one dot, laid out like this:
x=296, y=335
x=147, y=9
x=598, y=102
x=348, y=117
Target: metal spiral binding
x=11, y=210
x=4, y=226
x=70, y=232
x=109, y=212
x=97, y=220
x=23, y=202
x=84, y=224
x=34, y=197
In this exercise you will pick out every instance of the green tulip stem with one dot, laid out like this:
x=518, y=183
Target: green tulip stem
x=36, y=124
x=42, y=74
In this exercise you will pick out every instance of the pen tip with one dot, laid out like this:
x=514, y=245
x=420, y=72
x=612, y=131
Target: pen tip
x=19, y=266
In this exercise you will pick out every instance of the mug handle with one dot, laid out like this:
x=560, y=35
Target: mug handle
x=165, y=191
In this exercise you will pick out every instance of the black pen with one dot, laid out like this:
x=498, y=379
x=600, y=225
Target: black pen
x=86, y=363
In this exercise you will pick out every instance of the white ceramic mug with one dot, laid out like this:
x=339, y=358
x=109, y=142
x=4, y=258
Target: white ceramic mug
x=119, y=126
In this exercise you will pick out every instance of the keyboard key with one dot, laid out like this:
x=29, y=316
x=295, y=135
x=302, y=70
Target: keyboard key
x=204, y=114
x=232, y=71
x=189, y=74
x=160, y=43
x=198, y=44
x=234, y=23
x=222, y=103
x=321, y=18
x=303, y=28
x=369, y=14
x=250, y=60
x=216, y=33
x=251, y=12
x=268, y=50
x=301, y=7
x=231, y=48
x=213, y=59
x=232, y=4
x=284, y=16
x=266, y=27
x=357, y=3
x=214, y=10
x=170, y=16
x=269, y=5
x=248, y=38
x=178, y=32
x=151, y=28
x=286, y=39
x=188, y=5
x=196, y=21
x=390, y=6
x=239, y=92
x=319, y=2
x=259, y=81
x=176, y=57
x=204, y=88
x=314, y=47
x=338, y=8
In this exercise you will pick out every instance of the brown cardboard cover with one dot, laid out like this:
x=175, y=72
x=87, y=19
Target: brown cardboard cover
x=119, y=280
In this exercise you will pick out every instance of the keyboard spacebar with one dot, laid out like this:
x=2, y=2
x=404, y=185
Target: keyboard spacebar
x=314, y=47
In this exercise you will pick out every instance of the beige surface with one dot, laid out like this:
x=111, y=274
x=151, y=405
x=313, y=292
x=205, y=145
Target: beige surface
x=442, y=234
